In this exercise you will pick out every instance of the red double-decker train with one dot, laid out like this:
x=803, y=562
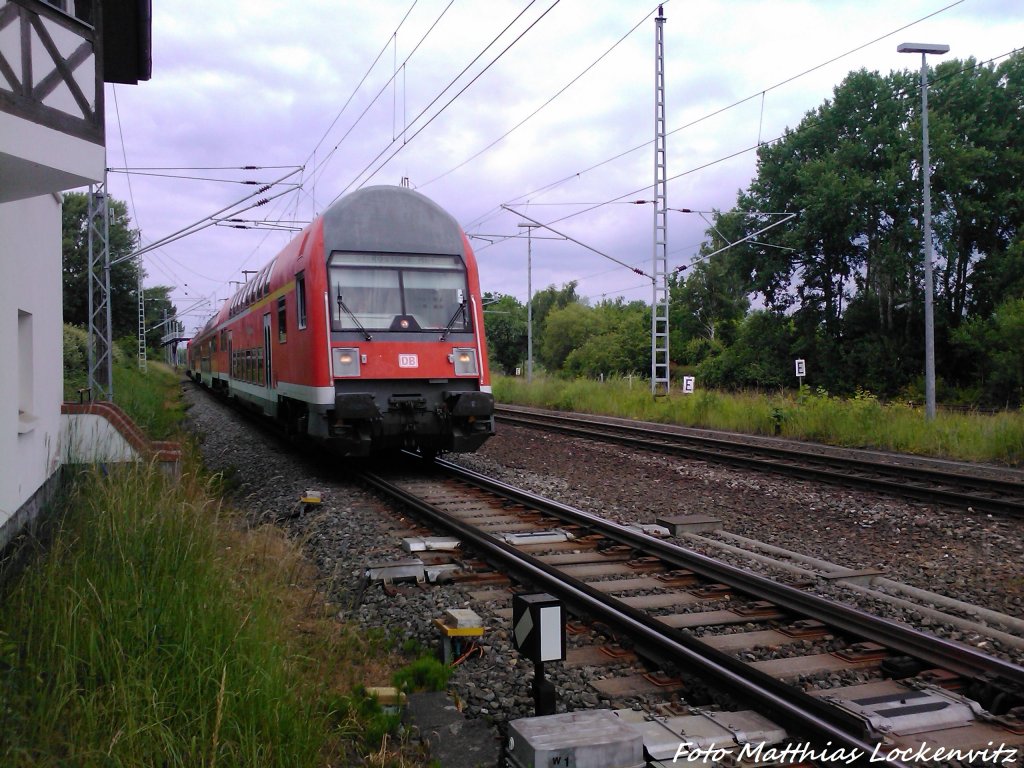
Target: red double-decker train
x=365, y=332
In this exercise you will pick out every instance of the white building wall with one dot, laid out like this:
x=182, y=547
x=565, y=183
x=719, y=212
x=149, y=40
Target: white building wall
x=31, y=344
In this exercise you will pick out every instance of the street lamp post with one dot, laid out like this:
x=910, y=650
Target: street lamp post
x=929, y=319
x=529, y=301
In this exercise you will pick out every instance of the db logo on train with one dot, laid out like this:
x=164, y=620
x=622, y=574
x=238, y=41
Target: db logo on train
x=408, y=361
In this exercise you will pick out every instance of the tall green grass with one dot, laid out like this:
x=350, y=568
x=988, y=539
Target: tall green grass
x=153, y=630
x=151, y=398
x=862, y=421
x=130, y=644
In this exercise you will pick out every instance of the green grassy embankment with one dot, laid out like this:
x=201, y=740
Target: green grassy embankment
x=155, y=629
x=861, y=422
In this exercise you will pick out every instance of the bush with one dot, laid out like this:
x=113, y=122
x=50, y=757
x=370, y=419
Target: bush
x=76, y=359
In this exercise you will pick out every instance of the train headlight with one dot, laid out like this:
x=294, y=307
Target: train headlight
x=465, y=361
x=346, y=362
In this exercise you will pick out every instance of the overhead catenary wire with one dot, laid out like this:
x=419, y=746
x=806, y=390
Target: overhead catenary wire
x=755, y=147
x=209, y=220
x=439, y=112
x=320, y=167
x=129, y=169
x=180, y=177
x=535, y=112
x=637, y=270
x=552, y=185
x=361, y=81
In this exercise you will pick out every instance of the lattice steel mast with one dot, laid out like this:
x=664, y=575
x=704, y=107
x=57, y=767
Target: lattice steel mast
x=101, y=379
x=142, y=319
x=660, y=383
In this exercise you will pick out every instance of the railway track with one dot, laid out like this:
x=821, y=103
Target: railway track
x=933, y=481
x=678, y=612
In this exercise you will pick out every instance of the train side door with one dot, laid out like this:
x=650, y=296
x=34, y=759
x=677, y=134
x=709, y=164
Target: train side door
x=266, y=350
x=232, y=372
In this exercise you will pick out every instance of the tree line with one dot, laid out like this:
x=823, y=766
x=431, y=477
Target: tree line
x=124, y=276
x=841, y=284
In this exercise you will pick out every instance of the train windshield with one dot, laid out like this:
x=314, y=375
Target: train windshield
x=391, y=291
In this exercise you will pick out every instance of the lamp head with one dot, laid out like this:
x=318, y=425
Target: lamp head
x=938, y=48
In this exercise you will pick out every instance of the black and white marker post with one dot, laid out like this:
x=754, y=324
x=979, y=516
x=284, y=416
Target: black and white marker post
x=538, y=632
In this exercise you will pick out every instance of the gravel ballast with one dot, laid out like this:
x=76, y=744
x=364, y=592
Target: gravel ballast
x=974, y=558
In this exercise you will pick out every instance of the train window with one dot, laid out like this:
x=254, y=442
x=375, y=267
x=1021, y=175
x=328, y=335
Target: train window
x=259, y=284
x=378, y=289
x=435, y=297
x=300, y=299
x=368, y=297
x=282, y=324
x=266, y=277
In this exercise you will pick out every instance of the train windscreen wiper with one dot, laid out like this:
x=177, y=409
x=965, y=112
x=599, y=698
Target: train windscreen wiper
x=343, y=306
x=460, y=311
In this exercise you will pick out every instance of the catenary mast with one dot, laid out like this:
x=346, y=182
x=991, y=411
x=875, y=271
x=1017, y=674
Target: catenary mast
x=660, y=383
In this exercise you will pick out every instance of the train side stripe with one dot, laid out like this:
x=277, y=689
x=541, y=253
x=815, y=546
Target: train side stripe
x=318, y=395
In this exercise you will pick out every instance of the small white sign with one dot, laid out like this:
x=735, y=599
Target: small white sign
x=408, y=361
x=551, y=629
x=801, y=368
x=687, y=385
x=519, y=371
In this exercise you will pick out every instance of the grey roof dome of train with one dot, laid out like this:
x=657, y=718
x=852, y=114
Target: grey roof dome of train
x=391, y=219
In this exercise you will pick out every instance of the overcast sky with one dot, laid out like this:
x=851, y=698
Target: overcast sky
x=266, y=83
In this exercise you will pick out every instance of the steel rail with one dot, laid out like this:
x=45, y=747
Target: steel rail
x=803, y=715
x=740, y=454
x=956, y=657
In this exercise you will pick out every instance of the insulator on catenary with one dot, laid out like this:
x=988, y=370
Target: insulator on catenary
x=260, y=202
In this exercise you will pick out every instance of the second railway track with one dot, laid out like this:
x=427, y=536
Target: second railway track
x=678, y=610
x=955, y=484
